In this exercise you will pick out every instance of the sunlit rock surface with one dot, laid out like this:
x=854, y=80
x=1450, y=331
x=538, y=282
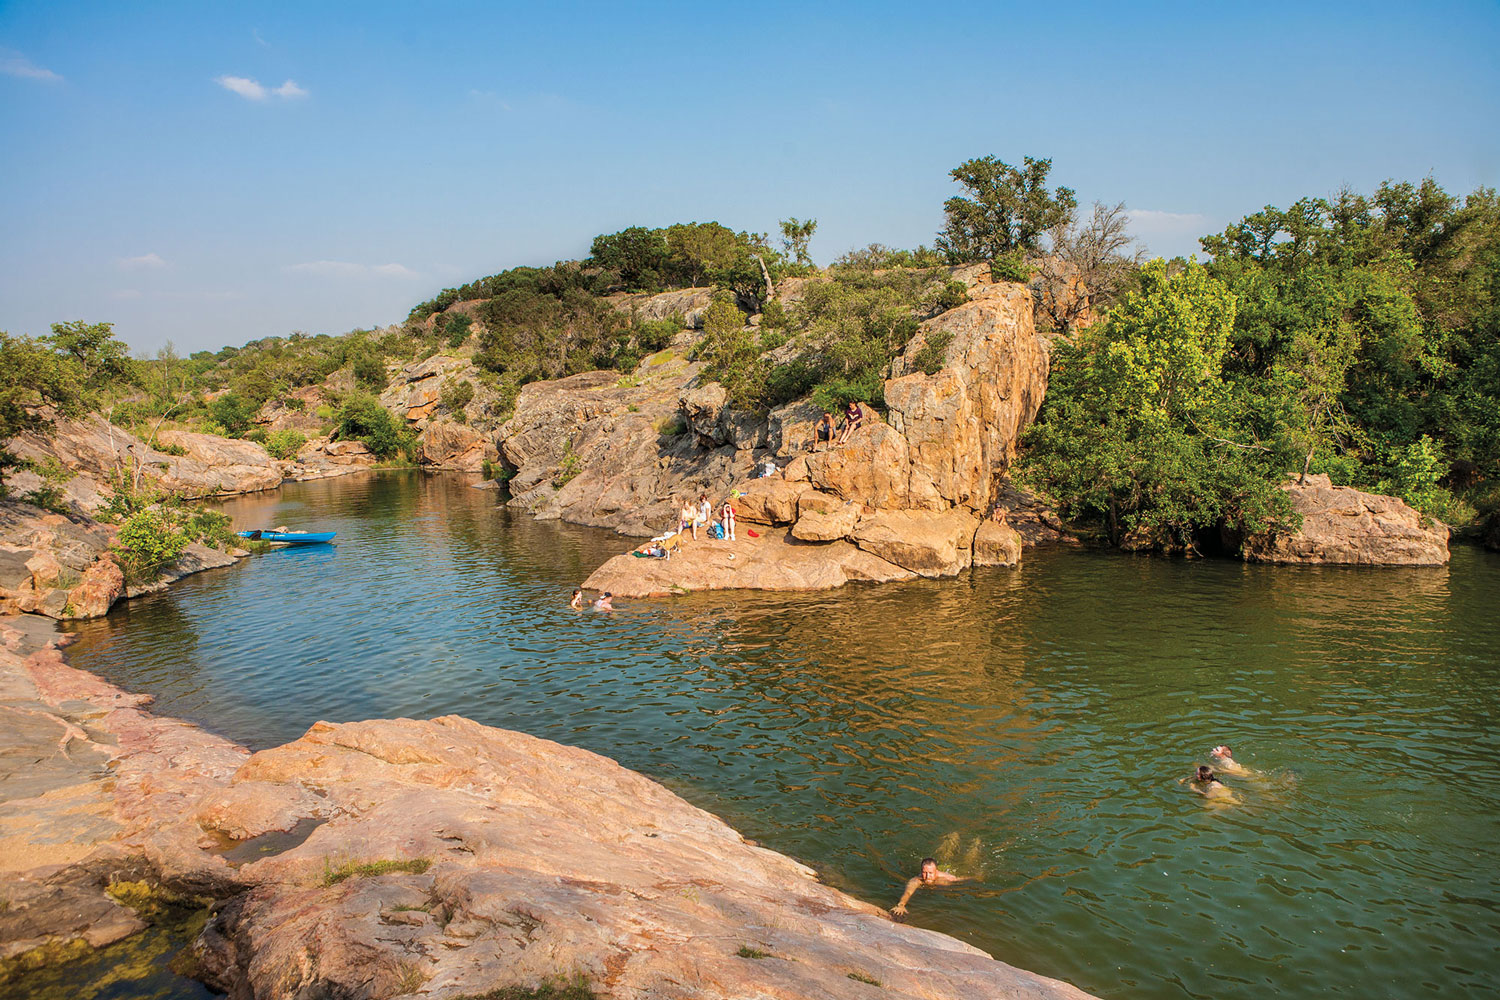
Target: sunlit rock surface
x=1342, y=525
x=437, y=858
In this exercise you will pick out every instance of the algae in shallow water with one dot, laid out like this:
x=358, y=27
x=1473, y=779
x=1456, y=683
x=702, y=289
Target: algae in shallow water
x=137, y=968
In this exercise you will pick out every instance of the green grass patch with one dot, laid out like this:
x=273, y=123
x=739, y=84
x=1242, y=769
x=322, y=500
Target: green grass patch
x=576, y=988
x=860, y=977
x=748, y=952
x=370, y=869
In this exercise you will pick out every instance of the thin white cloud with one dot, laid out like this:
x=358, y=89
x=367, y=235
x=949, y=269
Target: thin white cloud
x=12, y=63
x=145, y=262
x=1159, y=218
x=348, y=269
x=254, y=90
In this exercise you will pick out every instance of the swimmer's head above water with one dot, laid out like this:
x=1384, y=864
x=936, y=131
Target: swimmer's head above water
x=1205, y=773
x=929, y=870
x=1222, y=750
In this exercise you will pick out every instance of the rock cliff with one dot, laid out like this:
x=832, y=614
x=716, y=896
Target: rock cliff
x=909, y=491
x=401, y=857
x=1342, y=525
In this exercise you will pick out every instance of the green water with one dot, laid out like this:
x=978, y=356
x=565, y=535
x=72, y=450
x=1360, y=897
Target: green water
x=1027, y=726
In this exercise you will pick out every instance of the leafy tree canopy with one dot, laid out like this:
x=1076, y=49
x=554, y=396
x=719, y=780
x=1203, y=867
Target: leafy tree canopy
x=1007, y=209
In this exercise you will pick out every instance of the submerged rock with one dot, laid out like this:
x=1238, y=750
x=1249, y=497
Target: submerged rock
x=1342, y=525
x=435, y=857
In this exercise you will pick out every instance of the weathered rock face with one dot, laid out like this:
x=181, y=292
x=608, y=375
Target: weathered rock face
x=613, y=452
x=926, y=544
x=47, y=559
x=688, y=303
x=447, y=445
x=591, y=449
x=1341, y=525
x=962, y=424
x=507, y=882
x=94, y=449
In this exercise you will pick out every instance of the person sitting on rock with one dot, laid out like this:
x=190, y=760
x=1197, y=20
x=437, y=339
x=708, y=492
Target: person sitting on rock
x=685, y=519
x=823, y=431
x=704, y=511
x=853, y=417
x=603, y=603
x=929, y=876
x=726, y=518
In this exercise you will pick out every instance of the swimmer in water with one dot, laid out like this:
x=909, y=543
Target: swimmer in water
x=577, y=601
x=1224, y=760
x=603, y=603
x=929, y=876
x=1207, y=784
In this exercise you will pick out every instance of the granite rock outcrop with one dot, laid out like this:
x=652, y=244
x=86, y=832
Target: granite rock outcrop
x=434, y=858
x=1345, y=526
x=910, y=488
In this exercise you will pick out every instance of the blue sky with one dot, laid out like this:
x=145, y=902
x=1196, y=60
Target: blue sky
x=211, y=173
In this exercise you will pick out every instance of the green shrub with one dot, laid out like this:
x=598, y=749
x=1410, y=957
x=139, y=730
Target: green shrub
x=175, y=450
x=933, y=355
x=1011, y=267
x=285, y=443
x=457, y=393
x=369, y=371
x=457, y=327
x=258, y=435
x=836, y=393
x=951, y=296
x=363, y=419
x=48, y=497
x=147, y=542
x=233, y=413
x=210, y=527
x=576, y=988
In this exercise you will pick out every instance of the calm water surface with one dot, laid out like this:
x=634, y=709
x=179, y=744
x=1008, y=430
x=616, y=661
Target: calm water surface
x=1025, y=726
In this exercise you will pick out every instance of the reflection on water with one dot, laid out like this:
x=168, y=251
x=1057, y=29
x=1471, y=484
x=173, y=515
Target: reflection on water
x=1028, y=726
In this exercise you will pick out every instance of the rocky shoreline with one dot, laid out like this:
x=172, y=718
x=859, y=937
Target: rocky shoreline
x=412, y=858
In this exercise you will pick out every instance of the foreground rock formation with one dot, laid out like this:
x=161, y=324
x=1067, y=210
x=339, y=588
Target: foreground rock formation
x=911, y=492
x=398, y=858
x=1344, y=526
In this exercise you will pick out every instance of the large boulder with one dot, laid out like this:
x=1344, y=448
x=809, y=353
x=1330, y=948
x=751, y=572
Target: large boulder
x=824, y=518
x=996, y=544
x=928, y=544
x=1344, y=526
x=448, y=445
x=768, y=500
x=870, y=468
x=228, y=465
x=46, y=559
x=703, y=407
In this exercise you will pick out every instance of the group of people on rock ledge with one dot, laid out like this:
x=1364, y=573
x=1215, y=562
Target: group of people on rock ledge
x=718, y=520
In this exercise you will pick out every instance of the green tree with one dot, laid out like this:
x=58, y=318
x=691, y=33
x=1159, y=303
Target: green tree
x=101, y=358
x=233, y=413
x=1007, y=209
x=1139, y=432
x=638, y=255
x=31, y=377
x=796, y=234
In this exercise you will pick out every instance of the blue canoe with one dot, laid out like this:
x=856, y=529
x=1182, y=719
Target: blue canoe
x=290, y=537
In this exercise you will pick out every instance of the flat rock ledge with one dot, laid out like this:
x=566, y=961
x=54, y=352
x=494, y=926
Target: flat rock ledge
x=435, y=858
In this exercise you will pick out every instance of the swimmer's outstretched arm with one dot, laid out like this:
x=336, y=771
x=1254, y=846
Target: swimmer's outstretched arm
x=912, y=885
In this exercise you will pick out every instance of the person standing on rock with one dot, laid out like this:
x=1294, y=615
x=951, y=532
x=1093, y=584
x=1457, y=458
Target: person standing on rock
x=930, y=875
x=853, y=417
